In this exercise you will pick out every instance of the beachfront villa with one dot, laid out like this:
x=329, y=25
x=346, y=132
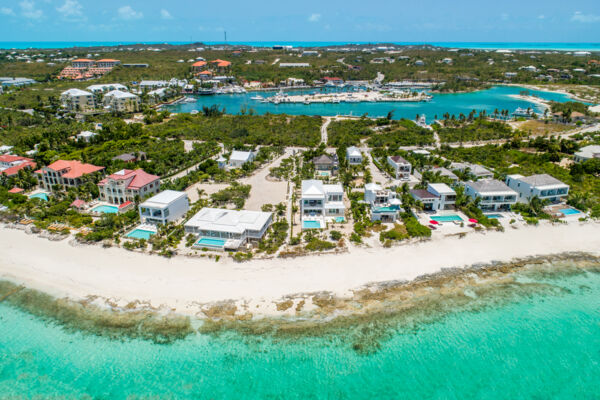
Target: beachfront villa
x=239, y=158
x=321, y=202
x=65, y=173
x=224, y=229
x=117, y=100
x=126, y=184
x=494, y=194
x=326, y=164
x=354, y=156
x=587, y=153
x=402, y=168
x=385, y=206
x=437, y=196
x=543, y=186
x=77, y=100
x=167, y=206
x=476, y=170
x=10, y=165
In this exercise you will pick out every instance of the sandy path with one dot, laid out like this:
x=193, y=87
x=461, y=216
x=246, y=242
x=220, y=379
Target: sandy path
x=181, y=283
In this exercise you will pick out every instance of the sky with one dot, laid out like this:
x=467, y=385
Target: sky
x=307, y=20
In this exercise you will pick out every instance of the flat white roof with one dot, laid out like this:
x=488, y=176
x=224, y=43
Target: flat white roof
x=163, y=199
x=223, y=220
x=120, y=94
x=441, y=188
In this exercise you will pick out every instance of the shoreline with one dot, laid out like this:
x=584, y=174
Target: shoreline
x=274, y=288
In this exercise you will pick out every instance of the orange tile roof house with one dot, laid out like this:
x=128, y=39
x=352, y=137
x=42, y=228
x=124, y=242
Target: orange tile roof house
x=10, y=165
x=124, y=185
x=198, y=66
x=65, y=173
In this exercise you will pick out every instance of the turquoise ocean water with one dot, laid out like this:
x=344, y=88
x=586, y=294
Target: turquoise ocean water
x=455, y=103
x=539, y=345
x=591, y=46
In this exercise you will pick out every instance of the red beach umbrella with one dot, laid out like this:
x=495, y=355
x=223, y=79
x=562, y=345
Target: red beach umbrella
x=473, y=220
x=433, y=222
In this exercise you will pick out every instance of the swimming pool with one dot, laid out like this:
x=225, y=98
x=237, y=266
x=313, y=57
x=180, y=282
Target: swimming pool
x=140, y=234
x=104, y=209
x=446, y=218
x=340, y=220
x=43, y=196
x=570, y=211
x=210, y=242
x=494, y=216
x=311, y=225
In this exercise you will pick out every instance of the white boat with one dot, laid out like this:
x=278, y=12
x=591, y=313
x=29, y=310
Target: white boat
x=258, y=98
x=194, y=112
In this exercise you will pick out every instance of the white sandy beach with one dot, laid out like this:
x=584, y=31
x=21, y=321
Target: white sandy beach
x=184, y=284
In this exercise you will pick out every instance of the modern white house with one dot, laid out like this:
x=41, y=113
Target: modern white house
x=587, y=153
x=126, y=184
x=321, y=202
x=117, y=100
x=543, y=186
x=151, y=85
x=167, y=206
x=107, y=87
x=239, y=158
x=224, y=229
x=354, y=156
x=402, y=168
x=77, y=100
x=494, y=194
x=86, y=136
x=385, y=206
x=476, y=170
x=437, y=196
x=446, y=173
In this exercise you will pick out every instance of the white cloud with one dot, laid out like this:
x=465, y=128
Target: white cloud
x=72, y=11
x=164, y=14
x=585, y=18
x=28, y=10
x=127, y=13
x=7, y=11
x=314, y=18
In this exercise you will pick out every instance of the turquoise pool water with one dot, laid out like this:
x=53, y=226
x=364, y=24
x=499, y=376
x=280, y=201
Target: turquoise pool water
x=494, y=216
x=311, y=225
x=387, y=209
x=446, y=218
x=541, y=345
x=570, y=211
x=43, y=196
x=210, y=242
x=340, y=220
x=105, y=209
x=140, y=234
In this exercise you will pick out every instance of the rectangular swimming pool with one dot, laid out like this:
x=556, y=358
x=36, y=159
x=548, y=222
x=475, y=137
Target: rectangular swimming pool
x=43, y=196
x=340, y=220
x=446, y=218
x=570, y=211
x=140, y=234
x=494, y=216
x=104, y=209
x=311, y=225
x=210, y=242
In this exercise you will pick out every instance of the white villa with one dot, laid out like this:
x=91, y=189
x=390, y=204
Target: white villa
x=437, y=196
x=587, y=153
x=321, y=202
x=495, y=195
x=475, y=169
x=117, y=100
x=239, y=158
x=385, y=206
x=86, y=136
x=227, y=229
x=77, y=100
x=402, y=168
x=543, y=186
x=354, y=156
x=164, y=207
x=107, y=87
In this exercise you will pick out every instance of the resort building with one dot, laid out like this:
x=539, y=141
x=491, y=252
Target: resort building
x=544, y=187
x=82, y=63
x=385, y=206
x=126, y=184
x=164, y=207
x=474, y=169
x=227, y=229
x=354, y=156
x=106, y=87
x=65, y=173
x=77, y=100
x=494, y=194
x=119, y=101
x=107, y=63
x=437, y=196
x=151, y=85
x=10, y=165
x=86, y=136
x=326, y=164
x=321, y=202
x=402, y=168
x=587, y=153
x=239, y=158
